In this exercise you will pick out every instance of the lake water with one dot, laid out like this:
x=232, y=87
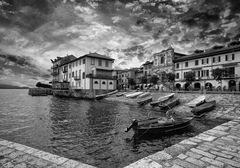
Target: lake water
x=88, y=131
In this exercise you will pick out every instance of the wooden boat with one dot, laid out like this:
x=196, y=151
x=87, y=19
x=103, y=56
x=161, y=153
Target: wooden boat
x=162, y=99
x=129, y=93
x=120, y=94
x=169, y=104
x=146, y=94
x=101, y=96
x=158, y=126
x=144, y=100
x=113, y=92
x=196, y=102
x=203, y=108
x=134, y=95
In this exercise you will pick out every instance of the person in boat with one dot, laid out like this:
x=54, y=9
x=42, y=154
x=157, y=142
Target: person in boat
x=169, y=115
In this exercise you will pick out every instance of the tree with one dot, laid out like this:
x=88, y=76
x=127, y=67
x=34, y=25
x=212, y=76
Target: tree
x=154, y=79
x=218, y=74
x=131, y=82
x=190, y=77
x=170, y=77
x=144, y=79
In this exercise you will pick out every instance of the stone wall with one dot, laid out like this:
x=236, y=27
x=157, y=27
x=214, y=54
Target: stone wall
x=79, y=93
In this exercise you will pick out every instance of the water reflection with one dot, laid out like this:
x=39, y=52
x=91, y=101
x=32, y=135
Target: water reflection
x=89, y=131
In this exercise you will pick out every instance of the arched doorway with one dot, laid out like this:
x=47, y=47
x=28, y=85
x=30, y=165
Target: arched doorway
x=208, y=86
x=232, y=85
x=186, y=86
x=197, y=86
x=178, y=86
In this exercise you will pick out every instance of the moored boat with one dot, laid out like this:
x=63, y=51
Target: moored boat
x=158, y=126
x=197, y=101
x=134, y=95
x=120, y=94
x=101, y=96
x=146, y=94
x=169, y=104
x=162, y=99
x=144, y=100
x=113, y=92
x=204, y=108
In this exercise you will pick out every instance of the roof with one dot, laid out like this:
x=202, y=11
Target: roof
x=93, y=55
x=147, y=63
x=208, y=53
x=96, y=55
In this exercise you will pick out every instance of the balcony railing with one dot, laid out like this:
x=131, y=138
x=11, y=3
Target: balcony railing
x=77, y=78
x=98, y=76
x=230, y=76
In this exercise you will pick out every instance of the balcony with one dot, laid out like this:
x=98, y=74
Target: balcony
x=230, y=76
x=77, y=78
x=98, y=76
x=65, y=70
x=55, y=73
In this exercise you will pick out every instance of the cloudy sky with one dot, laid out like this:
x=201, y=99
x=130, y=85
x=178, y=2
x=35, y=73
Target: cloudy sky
x=34, y=31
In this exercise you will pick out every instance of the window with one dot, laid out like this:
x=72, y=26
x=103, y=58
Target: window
x=203, y=61
x=219, y=58
x=103, y=82
x=177, y=65
x=226, y=57
x=196, y=62
x=79, y=74
x=76, y=63
x=99, y=62
x=72, y=74
x=69, y=65
x=207, y=60
x=162, y=60
x=186, y=64
x=177, y=75
x=83, y=61
x=92, y=61
x=69, y=75
x=106, y=63
x=207, y=73
x=233, y=56
x=199, y=74
x=110, y=83
x=96, y=82
x=83, y=75
x=213, y=59
x=76, y=73
x=73, y=64
x=79, y=62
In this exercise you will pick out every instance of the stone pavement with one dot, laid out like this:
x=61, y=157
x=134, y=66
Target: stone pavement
x=14, y=155
x=218, y=147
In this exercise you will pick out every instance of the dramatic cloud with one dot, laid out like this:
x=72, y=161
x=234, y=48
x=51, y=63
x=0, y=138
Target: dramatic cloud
x=34, y=31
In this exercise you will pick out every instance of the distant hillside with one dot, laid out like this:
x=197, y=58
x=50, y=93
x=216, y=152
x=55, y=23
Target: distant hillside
x=5, y=86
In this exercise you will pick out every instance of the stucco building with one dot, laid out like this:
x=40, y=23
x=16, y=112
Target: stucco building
x=203, y=63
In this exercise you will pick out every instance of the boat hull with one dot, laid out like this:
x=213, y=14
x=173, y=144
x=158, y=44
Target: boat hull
x=162, y=100
x=169, y=104
x=145, y=101
x=162, y=130
x=204, y=108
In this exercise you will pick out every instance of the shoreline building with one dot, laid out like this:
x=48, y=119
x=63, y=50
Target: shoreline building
x=88, y=72
x=204, y=62
x=163, y=62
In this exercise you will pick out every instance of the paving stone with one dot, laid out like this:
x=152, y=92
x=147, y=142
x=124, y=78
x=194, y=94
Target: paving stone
x=194, y=155
x=232, y=153
x=188, y=142
x=184, y=164
x=213, y=162
x=176, y=166
x=22, y=158
x=160, y=156
x=152, y=165
x=228, y=161
x=175, y=150
x=221, y=154
x=39, y=162
x=233, y=137
x=221, y=128
x=143, y=163
x=6, y=151
x=15, y=154
x=181, y=156
x=216, y=133
x=205, y=137
x=21, y=165
x=203, y=153
x=228, y=148
x=8, y=165
x=70, y=163
x=195, y=161
x=50, y=157
x=5, y=142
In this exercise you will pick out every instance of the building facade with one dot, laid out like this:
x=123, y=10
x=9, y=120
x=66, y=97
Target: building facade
x=89, y=72
x=203, y=63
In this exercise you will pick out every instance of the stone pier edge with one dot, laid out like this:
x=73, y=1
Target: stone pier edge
x=174, y=156
x=157, y=160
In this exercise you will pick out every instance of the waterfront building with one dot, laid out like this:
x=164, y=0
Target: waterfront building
x=124, y=76
x=59, y=81
x=88, y=72
x=204, y=62
x=163, y=61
